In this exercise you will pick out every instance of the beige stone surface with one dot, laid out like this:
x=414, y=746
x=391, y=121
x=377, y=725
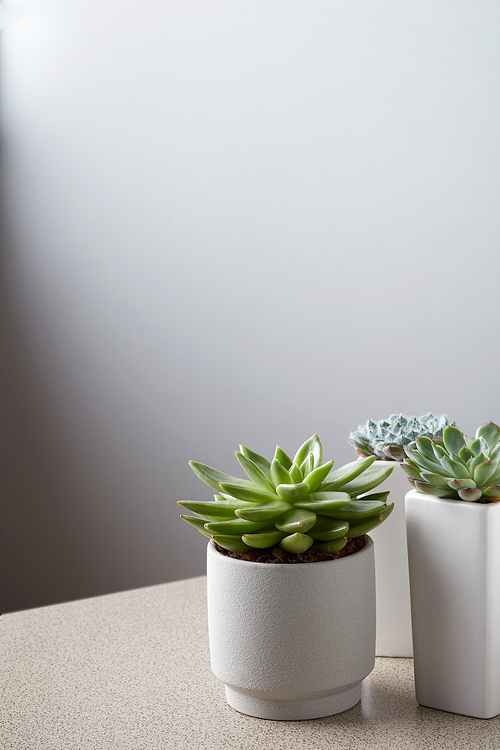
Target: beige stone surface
x=131, y=671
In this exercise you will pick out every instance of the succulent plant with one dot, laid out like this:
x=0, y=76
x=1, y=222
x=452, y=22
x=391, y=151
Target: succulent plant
x=386, y=439
x=291, y=503
x=457, y=467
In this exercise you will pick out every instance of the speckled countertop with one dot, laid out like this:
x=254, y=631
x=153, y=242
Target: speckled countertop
x=131, y=671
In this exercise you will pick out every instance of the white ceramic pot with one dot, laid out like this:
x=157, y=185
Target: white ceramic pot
x=391, y=569
x=292, y=641
x=454, y=560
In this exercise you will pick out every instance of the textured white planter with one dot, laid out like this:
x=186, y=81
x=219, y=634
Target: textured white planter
x=454, y=560
x=391, y=569
x=292, y=641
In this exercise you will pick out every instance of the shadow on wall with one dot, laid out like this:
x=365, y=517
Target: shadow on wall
x=36, y=527
x=37, y=530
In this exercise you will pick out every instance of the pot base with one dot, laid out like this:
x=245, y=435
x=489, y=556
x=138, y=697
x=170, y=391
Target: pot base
x=287, y=708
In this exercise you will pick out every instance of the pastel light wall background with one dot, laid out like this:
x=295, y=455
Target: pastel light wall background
x=226, y=222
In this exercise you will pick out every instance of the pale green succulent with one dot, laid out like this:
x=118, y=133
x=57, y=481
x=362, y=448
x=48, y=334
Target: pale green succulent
x=457, y=467
x=291, y=503
x=386, y=439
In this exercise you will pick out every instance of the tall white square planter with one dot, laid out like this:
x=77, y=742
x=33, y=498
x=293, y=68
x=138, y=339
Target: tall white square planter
x=391, y=569
x=454, y=563
x=292, y=641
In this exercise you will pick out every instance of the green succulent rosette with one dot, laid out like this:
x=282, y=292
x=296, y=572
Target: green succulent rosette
x=295, y=504
x=387, y=438
x=457, y=467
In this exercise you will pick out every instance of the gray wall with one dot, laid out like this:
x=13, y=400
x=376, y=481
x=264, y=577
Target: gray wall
x=226, y=222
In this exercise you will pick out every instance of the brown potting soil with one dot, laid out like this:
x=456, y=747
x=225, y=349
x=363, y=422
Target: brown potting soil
x=277, y=555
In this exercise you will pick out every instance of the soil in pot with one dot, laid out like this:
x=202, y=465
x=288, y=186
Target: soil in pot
x=278, y=556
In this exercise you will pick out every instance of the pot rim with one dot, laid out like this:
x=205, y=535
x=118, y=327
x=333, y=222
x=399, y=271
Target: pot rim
x=451, y=501
x=315, y=565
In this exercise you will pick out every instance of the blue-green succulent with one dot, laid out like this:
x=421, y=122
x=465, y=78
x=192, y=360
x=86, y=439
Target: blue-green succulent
x=292, y=503
x=387, y=438
x=457, y=467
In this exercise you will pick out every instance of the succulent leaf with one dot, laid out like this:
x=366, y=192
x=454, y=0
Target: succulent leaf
x=326, y=529
x=471, y=494
x=434, y=467
x=317, y=476
x=483, y=472
x=476, y=446
x=264, y=511
x=264, y=540
x=296, y=543
x=313, y=445
x=198, y=523
x=213, y=478
x=453, y=440
x=490, y=432
x=425, y=446
x=282, y=457
x=207, y=518
x=292, y=492
x=367, y=481
x=360, y=509
x=255, y=474
x=393, y=452
x=335, y=545
x=495, y=479
x=492, y=492
x=325, y=503
x=437, y=480
x=440, y=451
x=410, y=469
x=279, y=474
x=455, y=468
x=232, y=543
x=296, y=519
x=379, y=497
x=296, y=474
x=479, y=459
x=465, y=454
x=249, y=495
x=346, y=473
x=460, y=484
x=235, y=526
x=429, y=489
x=368, y=524
x=223, y=508
x=307, y=465
x=262, y=462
